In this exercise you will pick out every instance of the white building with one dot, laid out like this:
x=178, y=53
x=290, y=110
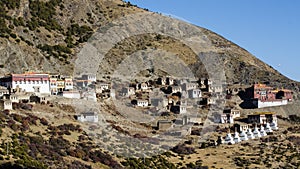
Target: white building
x=86, y=79
x=53, y=86
x=189, y=86
x=176, y=89
x=211, y=101
x=71, y=94
x=215, y=88
x=88, y=117
x=166, y=81
x=14, y=98
x=226, y=118
x=195, y=93
x=209, y=81
x=144, y=86
x=37, y=83
x=202, y=83
x=104, y=86
x=261, y=104
x=128, y=91
x=60, y=83
x=3, y=91
x=68, y=83
x=142, y=103
x=89, y=77
x=194, y=119
x=242, y=126
x=163, y=81
x=170, y=81
x=6, y=104
x=234, y=112
x=262, y=117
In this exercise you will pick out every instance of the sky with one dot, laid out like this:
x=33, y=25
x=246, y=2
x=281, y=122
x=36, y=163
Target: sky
x=268, y=29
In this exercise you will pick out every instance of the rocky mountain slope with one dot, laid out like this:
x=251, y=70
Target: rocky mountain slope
x=46, y=35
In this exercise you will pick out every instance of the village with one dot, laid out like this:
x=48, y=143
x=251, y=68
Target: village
x=175, y=102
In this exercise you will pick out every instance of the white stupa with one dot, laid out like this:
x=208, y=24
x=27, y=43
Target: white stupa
x=262, y=131
x=274, y=125
x=256, y=132
x=250, y=134
x=268, y=128
x=228, y=139
x=236, y=138
x=243, y=136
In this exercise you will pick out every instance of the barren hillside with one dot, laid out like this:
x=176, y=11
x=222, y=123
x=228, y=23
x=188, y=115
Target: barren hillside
x=47, y=35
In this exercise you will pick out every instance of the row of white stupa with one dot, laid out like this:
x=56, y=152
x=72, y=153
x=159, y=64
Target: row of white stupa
x=243, y=136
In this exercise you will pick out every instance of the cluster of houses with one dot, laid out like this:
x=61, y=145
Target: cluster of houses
x=167, y=94
x=40, y=87
x=171, y=94
x=261, y=95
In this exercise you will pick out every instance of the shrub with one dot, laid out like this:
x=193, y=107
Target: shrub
x=13, y=35
x=11, y=4
x=44, y=122
x=182, y=149
x=19, y=21
x=43, y=14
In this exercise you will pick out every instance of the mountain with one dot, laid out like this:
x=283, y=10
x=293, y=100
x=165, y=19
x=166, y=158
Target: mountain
x=47, y=36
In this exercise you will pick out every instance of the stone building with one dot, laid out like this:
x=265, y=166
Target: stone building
x=164, y=124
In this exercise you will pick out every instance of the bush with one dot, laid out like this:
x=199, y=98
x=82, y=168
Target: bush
x=182, y=149
x=83, y=32
x=294, y=118
x=56, y=50
x=19, y=21
x=11, y=4
x=44, y=122
x=13, y=35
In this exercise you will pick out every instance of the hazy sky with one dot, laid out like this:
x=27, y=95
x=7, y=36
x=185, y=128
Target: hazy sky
x=269, y=29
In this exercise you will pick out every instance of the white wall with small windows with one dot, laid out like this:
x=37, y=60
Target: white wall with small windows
x=142, y=103
x=41, y=86
x=69, y=84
